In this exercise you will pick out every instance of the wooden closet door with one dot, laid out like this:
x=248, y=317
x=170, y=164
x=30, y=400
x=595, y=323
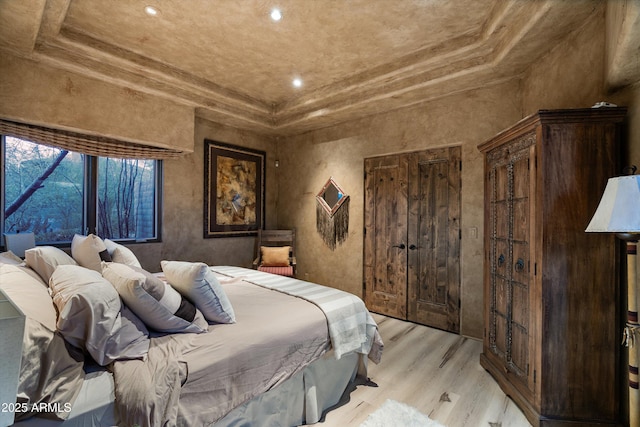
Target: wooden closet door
x=412, y=237
x=434, y=239
x=385, y=253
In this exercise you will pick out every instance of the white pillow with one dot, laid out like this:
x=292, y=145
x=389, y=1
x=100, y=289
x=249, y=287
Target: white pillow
x=122, y=254
x=198, y=283
x=92, y=318
x=45, y=259
x=158, y=305
x=89, y=251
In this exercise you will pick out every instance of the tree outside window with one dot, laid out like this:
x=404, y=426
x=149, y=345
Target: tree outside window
x=46, y=191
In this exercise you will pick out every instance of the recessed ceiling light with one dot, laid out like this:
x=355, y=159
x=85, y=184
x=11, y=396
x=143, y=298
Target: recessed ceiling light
x=276, y=15
x=151, y=11
x=297, y=82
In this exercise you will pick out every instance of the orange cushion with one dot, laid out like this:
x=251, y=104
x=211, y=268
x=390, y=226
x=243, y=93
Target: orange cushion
x=275, y=256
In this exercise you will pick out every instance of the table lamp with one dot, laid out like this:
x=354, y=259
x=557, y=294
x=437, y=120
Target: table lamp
x=619, y=212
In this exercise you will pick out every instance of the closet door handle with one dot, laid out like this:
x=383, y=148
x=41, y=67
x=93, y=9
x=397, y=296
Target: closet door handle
x=401, y=246
x=500, y=260
x=413, y=247
x=519, y=266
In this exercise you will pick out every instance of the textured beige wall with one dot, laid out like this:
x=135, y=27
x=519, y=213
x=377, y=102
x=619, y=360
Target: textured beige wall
x=39, y=94
x=182, y=235
x=571, y=75
x=308, y=160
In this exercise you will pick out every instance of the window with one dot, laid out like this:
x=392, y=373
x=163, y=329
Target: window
x=126, y=198
x=57, y=193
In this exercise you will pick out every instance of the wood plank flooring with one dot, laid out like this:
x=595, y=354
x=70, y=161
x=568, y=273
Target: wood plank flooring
x=436, y=372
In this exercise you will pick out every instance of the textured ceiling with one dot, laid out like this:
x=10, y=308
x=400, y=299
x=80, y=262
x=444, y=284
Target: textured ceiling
x=233, y=64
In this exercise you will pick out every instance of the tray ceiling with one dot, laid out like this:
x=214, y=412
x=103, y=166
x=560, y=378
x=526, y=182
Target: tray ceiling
x=235, y=65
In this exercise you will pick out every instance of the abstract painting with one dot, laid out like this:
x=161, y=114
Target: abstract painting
x=234, y=190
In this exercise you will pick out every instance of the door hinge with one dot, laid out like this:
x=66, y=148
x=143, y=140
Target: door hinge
x=535, y=376
x=460, y=234
x=460, y=164
x=535, y=268
x=364, y=232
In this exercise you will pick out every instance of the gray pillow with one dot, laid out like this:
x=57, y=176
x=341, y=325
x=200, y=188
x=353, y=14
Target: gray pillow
x=198, y=284
x=45, y=259
x=92, y=318
x=158, y=305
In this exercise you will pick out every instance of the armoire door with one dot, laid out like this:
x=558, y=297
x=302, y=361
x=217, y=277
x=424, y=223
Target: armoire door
x=509, y=190
x=412, y=237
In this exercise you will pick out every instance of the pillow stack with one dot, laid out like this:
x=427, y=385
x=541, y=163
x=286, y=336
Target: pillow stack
x=106, y=302
x=91, y=316
x=101, y=302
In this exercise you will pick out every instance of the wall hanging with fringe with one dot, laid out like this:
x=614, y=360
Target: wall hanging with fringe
x=332, y=214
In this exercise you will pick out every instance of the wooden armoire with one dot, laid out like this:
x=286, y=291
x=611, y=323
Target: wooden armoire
x=552, y=320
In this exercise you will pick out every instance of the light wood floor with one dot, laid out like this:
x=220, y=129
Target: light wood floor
x=436, y=372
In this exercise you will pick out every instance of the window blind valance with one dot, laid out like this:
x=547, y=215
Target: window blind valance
x=86, y=144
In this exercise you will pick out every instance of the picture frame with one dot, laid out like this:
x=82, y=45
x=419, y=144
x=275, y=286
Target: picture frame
x=234, y=190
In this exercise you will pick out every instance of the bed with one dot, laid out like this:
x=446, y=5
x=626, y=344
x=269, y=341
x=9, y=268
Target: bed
x=286, y=355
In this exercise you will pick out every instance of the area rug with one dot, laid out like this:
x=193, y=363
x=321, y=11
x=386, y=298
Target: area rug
x=397, y=414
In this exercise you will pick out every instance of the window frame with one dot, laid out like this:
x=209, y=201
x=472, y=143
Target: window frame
x=90, y=198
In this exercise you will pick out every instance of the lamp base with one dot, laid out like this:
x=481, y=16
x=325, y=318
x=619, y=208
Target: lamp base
x=631, y=330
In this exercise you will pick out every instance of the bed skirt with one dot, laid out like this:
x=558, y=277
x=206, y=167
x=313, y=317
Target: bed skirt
x=302, y=399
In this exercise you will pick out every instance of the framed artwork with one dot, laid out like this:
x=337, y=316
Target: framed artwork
x=233, y=190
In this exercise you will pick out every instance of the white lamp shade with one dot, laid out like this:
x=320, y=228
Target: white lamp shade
x=619, y=208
